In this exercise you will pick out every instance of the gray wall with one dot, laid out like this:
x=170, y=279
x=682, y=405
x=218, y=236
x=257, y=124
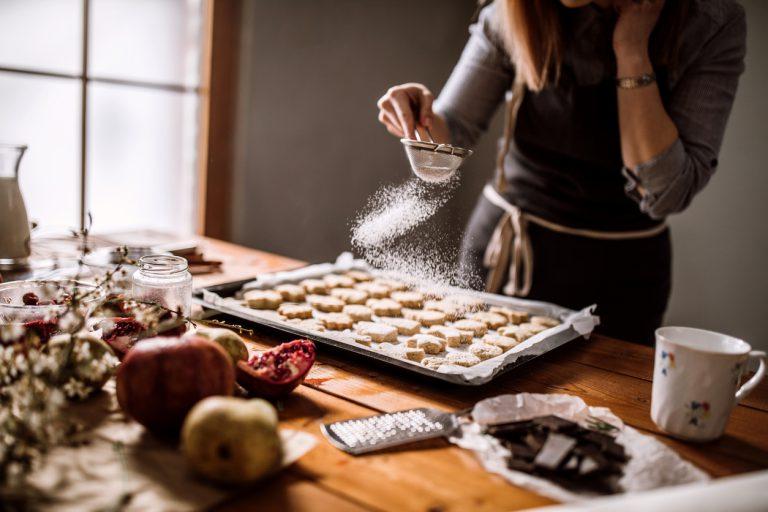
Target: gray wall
x=310, y=150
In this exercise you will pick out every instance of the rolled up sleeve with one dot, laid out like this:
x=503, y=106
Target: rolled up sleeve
x=477, y=84
x=699, y=106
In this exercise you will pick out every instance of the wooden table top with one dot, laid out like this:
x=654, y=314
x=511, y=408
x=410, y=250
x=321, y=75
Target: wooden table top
x=437, y=476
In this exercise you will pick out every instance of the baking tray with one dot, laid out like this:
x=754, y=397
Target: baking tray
x=574, y=324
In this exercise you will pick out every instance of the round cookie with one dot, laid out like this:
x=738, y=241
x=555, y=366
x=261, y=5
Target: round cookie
x=426, y=317
x=337, y=281
x=433, y=362
x=291, y=292
x=477, y=328
x=393, y=284
x=262, y=299
x=326, y=304
x=378, y=333
x=462, y=359
x=384, y=307
x=492, y=320
x=514, y=316
x=485, y=351
x=350, y=295
x=358, y=312
x=544, y=321
x=359, y=276
x=375, y=290
x=408, y=299
x=503, y=342
x=314, y=286
x=292, y=311
x=337, y=321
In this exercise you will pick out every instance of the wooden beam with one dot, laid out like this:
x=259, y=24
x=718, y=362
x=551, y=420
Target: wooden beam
x=218, y=101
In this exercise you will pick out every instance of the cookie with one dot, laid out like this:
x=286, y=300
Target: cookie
x=428, y=343
x=358, y=312
x=426, y=317
x=379, y=333
x=451, y=335
x=384, y=307
x=545, y=321
x=350, y=295
x=393, y=284
x=514, y=316
x=403, y=325
x=433, y=362
x=408, y=299
x=337, y=281
x=376, y=291
x=337, y=321
x=311, y=324
x=359, y=276
x=523, y=331
x=503, y=342
x=492, y=320
x=452, y=311
x=291, y=292
x=485, y=351
x=314, y=286
x=325, y=303
x=466, y=302
x=361, y=339
x=466, y=336
x=462, y=359
x=262, y=299
x=291, y=311
x=413, y=354
x=477, y=328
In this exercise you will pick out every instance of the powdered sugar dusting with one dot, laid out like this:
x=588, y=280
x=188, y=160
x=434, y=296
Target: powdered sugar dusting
x=394, y=233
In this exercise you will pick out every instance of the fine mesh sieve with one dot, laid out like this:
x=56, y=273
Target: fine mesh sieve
x=433, y=162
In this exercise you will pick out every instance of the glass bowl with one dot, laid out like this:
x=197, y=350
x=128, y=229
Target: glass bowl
x=14, y=311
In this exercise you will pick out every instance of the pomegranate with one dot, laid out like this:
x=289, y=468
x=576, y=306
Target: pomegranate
x=277, y=371
x=121, y=333
x=43, y=329
x=160, y=380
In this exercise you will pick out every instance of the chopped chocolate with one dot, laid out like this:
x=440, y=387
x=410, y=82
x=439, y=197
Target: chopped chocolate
x=574, y=457
x=554, y=451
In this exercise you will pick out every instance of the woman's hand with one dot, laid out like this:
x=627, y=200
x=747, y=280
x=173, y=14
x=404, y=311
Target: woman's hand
x=634, y=26
x=404, y=107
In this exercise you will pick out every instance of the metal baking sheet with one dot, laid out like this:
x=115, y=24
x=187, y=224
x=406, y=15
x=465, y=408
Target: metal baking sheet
x=574, y=323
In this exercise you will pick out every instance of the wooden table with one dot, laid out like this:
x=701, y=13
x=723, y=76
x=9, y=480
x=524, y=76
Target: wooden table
x=437, y=476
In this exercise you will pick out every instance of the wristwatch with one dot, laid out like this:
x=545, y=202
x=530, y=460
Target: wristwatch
x=633, y=82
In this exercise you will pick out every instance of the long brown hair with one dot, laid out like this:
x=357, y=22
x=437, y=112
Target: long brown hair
x=533, y=36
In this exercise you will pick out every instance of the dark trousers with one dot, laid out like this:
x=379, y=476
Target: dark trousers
x=629, y=280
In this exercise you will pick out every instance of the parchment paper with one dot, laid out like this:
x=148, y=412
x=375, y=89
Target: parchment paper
x=122, y=463
x=652, y=464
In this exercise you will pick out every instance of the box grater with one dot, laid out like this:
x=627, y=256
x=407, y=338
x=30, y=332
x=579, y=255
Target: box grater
x=365, y=435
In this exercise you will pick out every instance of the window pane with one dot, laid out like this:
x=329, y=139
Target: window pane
x=141, y=158
x=146, y=40
x=41, y=34
x=44, y=113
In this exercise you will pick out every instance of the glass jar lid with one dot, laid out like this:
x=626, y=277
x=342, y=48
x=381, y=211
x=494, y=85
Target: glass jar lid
x=162, y=265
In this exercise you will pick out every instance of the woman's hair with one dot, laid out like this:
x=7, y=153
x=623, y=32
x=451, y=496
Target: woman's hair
x=534, y=39
x=533, y=36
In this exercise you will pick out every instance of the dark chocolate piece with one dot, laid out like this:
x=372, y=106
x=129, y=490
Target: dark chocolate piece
x=554, y=451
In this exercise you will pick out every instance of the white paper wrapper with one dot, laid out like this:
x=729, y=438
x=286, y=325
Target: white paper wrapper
x=574, y=323
x=652, y=464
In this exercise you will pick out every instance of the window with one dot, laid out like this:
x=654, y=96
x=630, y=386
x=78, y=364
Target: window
x=106, y=94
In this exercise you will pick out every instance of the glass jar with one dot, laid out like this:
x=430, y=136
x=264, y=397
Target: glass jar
x=164, y=280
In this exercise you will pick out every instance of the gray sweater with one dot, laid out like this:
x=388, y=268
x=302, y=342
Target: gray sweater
x=564, y=163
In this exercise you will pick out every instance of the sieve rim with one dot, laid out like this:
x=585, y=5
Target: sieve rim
x=437, y=148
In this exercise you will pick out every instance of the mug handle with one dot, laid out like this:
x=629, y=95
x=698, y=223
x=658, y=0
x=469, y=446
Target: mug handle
x=756, y=378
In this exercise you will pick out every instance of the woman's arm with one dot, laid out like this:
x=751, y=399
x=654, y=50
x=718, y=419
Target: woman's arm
x=671, y=152
x=469, y=98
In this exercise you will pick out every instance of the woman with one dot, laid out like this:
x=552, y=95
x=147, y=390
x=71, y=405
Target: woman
x=616, y=111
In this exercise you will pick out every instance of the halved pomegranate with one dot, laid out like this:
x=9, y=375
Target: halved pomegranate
x=277, y=371
x=121, y=333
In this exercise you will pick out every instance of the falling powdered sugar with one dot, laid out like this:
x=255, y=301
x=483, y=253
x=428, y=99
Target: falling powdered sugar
x=395, y=210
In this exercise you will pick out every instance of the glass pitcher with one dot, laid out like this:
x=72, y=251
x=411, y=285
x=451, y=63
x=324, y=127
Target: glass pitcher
x=14, y=225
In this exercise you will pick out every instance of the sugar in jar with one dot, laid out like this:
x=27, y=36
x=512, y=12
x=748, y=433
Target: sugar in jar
x=164, y=280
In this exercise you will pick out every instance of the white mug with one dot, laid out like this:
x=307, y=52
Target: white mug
x=696, y=375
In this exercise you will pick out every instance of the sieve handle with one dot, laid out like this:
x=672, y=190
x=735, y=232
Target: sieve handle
x=429, y=134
